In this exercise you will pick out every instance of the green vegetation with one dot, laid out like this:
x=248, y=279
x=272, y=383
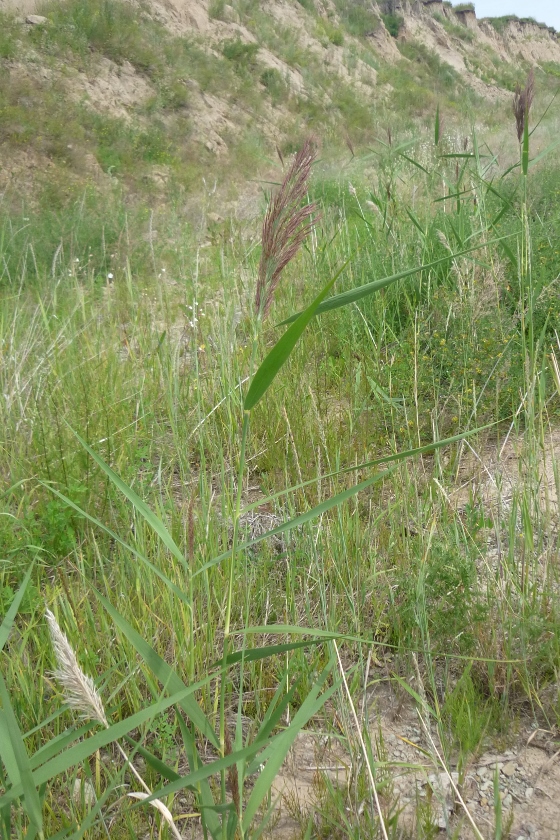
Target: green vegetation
x=358, y=17
x=249, y=523
x=393, y=24
x=501, y=23
x=457, y=31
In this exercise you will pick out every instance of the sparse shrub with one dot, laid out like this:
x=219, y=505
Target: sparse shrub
x=336, y=36
x=110, y=27
x=358, y=18
x=393, y=24
x=274, y=83
x=7, y=36
x=467, y=713
x=216, y=9
x=239, y=52
x=441, y=593
x=309, y=5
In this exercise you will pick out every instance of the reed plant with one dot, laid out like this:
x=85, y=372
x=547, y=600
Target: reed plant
x=213, y=638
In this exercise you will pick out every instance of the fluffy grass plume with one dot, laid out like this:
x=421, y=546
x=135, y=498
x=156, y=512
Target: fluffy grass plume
x=285, y=227
x=79, y=689
x=522, y=101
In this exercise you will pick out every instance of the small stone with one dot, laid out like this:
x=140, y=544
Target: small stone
x=83, y=792
x=483, y=802
x=36, y=20
x=507, y=801
x=529, y=793
x=482, y=771
x=487, y=785
x=509, y=768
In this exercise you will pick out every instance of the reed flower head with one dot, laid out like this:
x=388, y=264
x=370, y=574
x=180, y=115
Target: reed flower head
x=522, y=101
x=79, y=689
x=285, y=226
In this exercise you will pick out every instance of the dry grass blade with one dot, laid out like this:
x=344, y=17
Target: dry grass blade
x=363, y=747
x=163, y=809
x=79, y=689
x=285, y=227
x=522, y=101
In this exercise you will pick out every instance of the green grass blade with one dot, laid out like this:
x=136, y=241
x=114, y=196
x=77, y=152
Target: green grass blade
x=209, y=817
x=191, y=780
x=352, y=295
x=269, y=650
x=282, y=743
x=282, y=350
x=300, y=520
x=544, y=152
x=24, y=776
x=82, y=751
x=7, y=754
x=175, y=589
x=146, y=512
x=437, y=126
x=164, y=672
x=8, y=619
x=397, y=456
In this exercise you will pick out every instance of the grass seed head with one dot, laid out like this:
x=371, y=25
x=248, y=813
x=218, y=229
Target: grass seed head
x=79, y=689
x=285, y=226
x=522, y=101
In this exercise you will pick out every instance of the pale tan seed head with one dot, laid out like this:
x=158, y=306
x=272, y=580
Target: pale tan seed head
x=79, y=689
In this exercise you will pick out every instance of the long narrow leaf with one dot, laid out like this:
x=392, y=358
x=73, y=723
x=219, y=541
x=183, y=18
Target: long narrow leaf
x=82, y=751
x=281, y=351
x=300, y=520
x=284, y=741
x=146, y=512
x=164, y=672
x=352, y=295
x=8, y=619
x=397, y=456
x=175, y=589
x=25, y=774
x=203, y=789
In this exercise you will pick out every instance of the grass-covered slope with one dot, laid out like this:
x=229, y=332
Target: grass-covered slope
x=161, y=516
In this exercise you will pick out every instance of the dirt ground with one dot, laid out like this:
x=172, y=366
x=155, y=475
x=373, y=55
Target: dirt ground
x=528, y=774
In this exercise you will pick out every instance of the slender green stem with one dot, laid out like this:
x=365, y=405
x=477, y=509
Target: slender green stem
x=233, y=566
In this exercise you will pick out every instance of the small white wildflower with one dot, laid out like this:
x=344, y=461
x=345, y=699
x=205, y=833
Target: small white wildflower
x=110, y=276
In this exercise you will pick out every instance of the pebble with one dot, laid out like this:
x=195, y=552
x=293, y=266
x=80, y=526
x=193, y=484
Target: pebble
x=484, y=802
x=507, y=801
x=529, y=793
x=36, y=20
x=83, y=791
x=509, y=768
